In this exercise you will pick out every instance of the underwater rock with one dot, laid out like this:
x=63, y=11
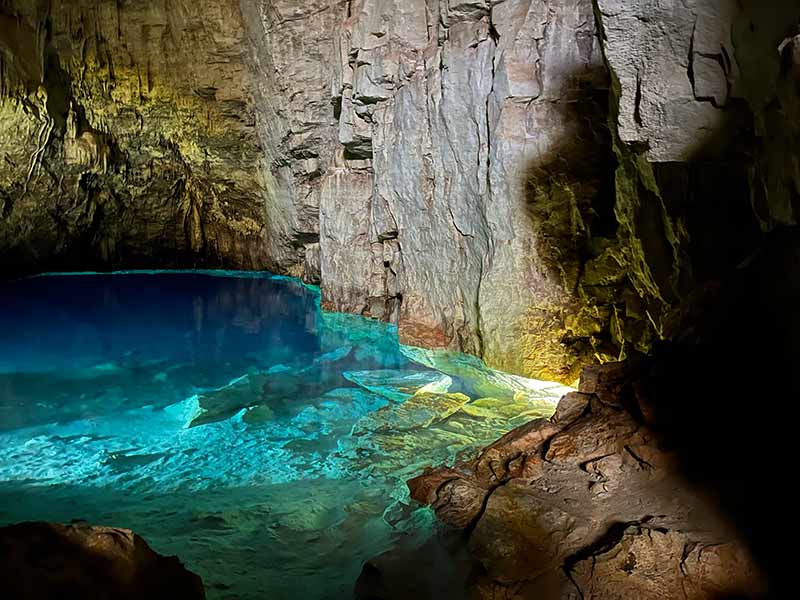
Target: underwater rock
x=591, y=504
x=44, y=560
x=258, y=414
x=371, y=340
x=482, y=381
x=418, y=412
x=276, y=389
x=400, y=385
x=399, y=574
x=504, y=410
x=223, y=403
x=399, y=440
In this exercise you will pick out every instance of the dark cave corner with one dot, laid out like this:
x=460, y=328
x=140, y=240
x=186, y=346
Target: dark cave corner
x=677, y=276
x=714, y=387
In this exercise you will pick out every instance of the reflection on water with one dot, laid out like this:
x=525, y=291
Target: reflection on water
x=228, y=420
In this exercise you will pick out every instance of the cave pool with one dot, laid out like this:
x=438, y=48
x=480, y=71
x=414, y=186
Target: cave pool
x=228, y=420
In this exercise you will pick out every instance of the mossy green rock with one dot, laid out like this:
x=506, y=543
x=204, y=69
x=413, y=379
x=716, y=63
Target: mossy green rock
x=418, y=412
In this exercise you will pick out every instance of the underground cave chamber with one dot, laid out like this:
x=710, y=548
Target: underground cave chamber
x=398, y=298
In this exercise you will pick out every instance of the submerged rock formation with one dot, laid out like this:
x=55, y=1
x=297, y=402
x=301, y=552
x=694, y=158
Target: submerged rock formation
x=43, y=560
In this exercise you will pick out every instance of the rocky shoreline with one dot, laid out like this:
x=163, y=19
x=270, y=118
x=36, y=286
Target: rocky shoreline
x=590, y=504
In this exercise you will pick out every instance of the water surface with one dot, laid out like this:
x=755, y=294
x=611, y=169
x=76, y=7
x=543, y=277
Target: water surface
x=229, y=421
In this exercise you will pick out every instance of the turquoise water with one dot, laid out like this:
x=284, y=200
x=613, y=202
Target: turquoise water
x=229, y=421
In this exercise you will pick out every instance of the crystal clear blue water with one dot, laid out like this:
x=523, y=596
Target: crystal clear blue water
x=229, y=421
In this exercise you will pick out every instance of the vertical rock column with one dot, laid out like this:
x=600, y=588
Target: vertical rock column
x=292, y=55
x=446, y=112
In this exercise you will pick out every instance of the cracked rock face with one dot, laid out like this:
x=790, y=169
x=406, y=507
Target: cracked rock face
x=447, y=111
x=544, y=184
x=128, y=137
x=589, y=504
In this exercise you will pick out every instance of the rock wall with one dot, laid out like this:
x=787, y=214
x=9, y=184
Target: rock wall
x=503, y=183
x=128, y=137
x=702, y=119
x=541, y=183
x=456, y=121
x=291, y=45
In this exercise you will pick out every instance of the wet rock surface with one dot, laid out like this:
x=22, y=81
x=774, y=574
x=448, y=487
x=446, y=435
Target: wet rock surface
x=128, y=136
x=592, y=503
x=444, y=111
x=44, y=560
x=541, y=184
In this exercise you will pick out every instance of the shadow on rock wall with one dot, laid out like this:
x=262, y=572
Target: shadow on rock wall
x=724, y=389
x=725, y=396
x=671, y=250
x=631, y=240
x=569, y=195
x=723, y=383
x=569, y=188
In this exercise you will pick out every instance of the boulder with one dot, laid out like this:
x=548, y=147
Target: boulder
x=45, y=560
x=591, y=503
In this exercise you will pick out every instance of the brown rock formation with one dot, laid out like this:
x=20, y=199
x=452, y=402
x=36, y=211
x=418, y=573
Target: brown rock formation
x=592, y=503
x=44, y=561
x=128, y=137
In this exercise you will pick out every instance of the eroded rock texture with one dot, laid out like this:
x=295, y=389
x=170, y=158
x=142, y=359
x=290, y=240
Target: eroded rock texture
x=44, y=560
x=591, y=504
x=457, y=121
x=544, y=184
x=291, y=44
x=507, y=182
x=701, y=116
x=128, y=137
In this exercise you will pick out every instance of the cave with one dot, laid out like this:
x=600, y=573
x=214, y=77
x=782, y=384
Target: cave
x=390, y=299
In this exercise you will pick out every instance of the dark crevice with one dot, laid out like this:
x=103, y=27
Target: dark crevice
x=604, y=543
x=302, y=238
x=584, y=466
x=642, y=462
x=601, y=545
x=690, y=70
